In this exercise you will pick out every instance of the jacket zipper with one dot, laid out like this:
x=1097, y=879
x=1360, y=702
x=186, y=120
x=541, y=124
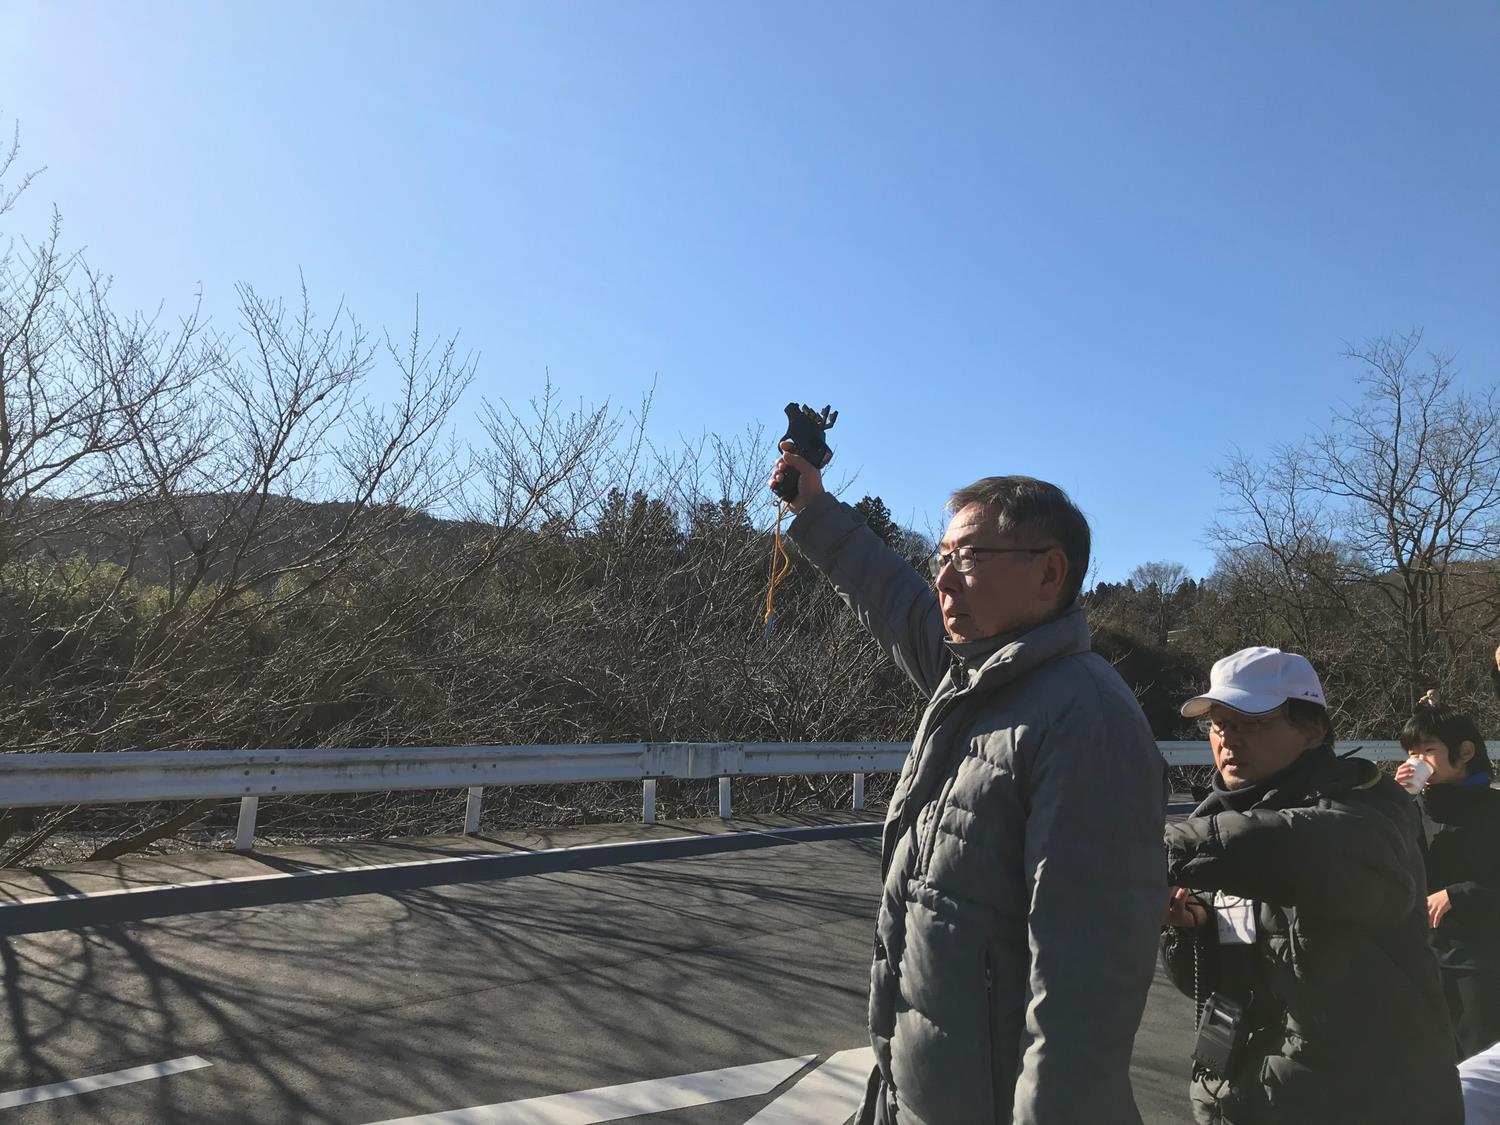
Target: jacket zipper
x=989, y=1019
x=927, y=840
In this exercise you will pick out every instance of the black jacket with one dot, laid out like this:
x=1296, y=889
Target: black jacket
x=1344, y=1001
x=1461, y=830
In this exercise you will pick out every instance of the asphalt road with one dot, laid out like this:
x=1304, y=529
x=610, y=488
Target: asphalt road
x=421, y=1000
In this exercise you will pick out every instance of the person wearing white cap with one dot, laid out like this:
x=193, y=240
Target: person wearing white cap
x=1298, y=919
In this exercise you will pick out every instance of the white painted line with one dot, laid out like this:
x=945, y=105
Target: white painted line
x=829, y=1095
x=611, y=1103
x=311, y=872
x=101, y=1081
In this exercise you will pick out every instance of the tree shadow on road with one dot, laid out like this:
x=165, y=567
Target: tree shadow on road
x=357, y=1009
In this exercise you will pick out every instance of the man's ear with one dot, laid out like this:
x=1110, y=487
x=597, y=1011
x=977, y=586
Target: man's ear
x=1054, y=575
x=1465, y=752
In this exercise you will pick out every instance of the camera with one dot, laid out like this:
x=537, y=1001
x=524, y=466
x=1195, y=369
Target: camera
x=1221, y=1035
x=805, y=429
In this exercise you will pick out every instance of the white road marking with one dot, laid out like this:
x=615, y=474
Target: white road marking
x=101, y=1081
x=829, y=1095
x=612, y=1103
x=311, y=872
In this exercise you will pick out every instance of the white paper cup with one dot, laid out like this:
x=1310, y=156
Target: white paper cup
x=1420, y=772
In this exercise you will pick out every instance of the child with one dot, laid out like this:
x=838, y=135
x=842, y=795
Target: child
x=1461, y=828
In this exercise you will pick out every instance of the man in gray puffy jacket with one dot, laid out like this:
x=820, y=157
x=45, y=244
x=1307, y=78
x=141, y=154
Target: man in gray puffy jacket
x=1024, y=876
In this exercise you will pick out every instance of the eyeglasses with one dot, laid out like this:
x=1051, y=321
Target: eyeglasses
x=1245, y=724
x=966, y=558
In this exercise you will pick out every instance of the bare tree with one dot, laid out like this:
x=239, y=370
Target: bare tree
x=1158, y=583
x=218, y=538
x=1371, y=544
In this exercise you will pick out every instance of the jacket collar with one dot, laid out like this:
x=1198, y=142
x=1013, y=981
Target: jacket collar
x=995, y=661
x=1317, y=773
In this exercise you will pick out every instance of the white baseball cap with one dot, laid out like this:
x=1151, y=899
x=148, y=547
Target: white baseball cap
x=1257, y=680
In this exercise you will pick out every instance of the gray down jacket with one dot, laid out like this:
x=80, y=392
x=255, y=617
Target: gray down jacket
x=1024, y=873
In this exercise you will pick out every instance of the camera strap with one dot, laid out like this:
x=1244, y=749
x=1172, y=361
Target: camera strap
x=781, y=565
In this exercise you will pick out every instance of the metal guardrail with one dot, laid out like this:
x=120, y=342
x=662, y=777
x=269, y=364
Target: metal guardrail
x=1197, y=753
x=34, y=780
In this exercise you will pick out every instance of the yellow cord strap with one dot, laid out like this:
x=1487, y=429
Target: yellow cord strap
x=781, y=563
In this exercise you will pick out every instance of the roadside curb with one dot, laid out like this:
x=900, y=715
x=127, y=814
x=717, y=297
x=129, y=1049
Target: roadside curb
x=132, y=904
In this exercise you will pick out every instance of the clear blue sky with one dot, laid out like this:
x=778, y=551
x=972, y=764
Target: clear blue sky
x=1100, y=243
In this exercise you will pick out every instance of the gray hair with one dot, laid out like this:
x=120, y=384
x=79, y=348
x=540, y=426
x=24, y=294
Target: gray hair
x=1025, y=506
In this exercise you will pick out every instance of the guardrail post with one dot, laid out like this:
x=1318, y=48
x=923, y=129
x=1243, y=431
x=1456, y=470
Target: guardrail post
x=648, y=800
x=472, y=808
x=244, y=834
x=724, y=798
x=859, y=790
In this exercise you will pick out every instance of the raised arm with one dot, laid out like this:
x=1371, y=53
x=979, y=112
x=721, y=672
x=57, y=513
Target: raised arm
x=1340, y=862
x=895, y=603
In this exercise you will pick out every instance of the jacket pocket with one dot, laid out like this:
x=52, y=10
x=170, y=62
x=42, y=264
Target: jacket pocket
x=941, y=1054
